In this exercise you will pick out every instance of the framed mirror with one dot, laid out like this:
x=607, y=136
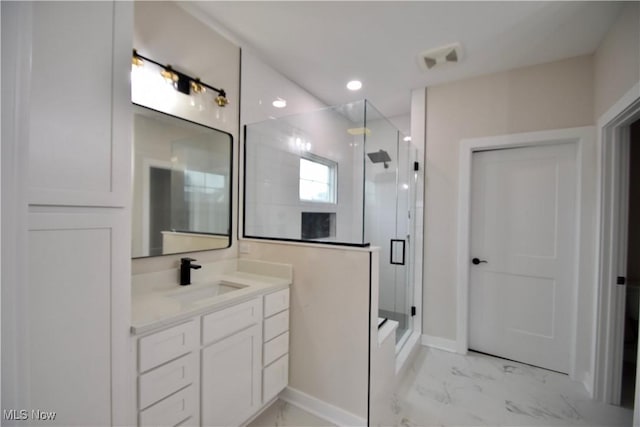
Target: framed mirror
x=181, y=185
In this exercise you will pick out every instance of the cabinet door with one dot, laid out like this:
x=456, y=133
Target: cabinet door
x=231, y=378
x=73, y=343
x=79, y=150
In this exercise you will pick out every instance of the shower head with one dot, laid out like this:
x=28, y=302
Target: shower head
x=380, y=156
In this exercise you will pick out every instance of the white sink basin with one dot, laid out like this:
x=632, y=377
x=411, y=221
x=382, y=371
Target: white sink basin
x=194, y=293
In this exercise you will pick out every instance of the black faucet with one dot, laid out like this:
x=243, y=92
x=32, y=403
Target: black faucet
x=185, y=270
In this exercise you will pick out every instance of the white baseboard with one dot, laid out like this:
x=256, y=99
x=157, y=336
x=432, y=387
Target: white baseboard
x=439, y=343
x=319, y=408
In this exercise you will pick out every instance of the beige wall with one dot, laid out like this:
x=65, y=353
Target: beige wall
x=617, y=60
x=166, y=33
x=549, y=96
x=329, y=318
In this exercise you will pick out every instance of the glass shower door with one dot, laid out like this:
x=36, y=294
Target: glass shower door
x=402, y=253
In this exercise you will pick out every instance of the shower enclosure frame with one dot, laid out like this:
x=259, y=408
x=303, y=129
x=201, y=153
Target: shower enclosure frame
x=364, y=133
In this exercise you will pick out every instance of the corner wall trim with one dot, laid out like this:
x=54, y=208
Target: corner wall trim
x=440, y=343
x=322, y=409
x=587, y=382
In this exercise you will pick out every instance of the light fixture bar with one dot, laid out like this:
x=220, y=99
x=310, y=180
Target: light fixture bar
x=184, y=82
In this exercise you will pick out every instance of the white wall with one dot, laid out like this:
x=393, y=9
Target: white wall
x=273, y=207
x=261, y=85
x=164, y=32
x=402, y=122
x=617, y=59
x=329, y=312
x=549, y=96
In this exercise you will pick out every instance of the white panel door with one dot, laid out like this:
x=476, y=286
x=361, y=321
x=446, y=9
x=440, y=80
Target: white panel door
x=523, y=224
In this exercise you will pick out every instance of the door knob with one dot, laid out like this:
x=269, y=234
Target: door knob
x=477, y=261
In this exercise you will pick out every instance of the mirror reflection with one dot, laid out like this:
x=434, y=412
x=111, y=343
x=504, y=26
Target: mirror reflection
x=182, y=185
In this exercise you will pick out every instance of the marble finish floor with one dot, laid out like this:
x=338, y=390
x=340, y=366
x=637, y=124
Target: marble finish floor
x=283, y=414
x=446, y=389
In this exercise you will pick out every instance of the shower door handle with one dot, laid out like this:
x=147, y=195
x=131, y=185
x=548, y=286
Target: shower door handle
x=397, y=255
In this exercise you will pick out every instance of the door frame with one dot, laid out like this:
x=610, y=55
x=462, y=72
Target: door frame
x=583, y=137
x=147, y=164
x=613, y=181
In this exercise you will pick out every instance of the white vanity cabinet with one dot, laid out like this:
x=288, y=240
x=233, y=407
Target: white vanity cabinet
x=231, y=365
x=215, y=369
x=168, y=376
x=275, y=375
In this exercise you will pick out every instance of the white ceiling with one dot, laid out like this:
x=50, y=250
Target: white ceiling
x=321, y=45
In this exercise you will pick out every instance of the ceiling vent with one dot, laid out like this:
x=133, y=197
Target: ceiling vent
x=449, y=54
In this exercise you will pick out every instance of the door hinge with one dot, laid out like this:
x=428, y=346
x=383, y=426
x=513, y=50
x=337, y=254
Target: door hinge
x=413, y=311
x=416, y=166
x=621, y=280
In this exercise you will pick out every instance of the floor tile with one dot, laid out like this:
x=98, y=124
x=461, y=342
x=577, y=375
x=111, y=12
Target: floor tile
x=448, y=389
x=283, y=414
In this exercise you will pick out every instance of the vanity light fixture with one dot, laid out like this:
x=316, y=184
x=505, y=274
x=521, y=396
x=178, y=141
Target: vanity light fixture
x=136, y=60
x=169, y=75
x=180, y=81
x=221, y=99
x=407, y=138
x=196, y=86
x=354, y=85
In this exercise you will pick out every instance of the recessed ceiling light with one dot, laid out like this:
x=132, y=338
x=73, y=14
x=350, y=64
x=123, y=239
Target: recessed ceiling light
x=407, y=138
x=354, y=85
x=279, y=103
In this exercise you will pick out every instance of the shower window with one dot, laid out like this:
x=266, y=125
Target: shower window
x=317, y=180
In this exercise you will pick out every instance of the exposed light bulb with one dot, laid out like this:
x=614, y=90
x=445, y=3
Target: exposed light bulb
x=169, y=75
x=221, y=100
x=196, y=86
x=407, y=138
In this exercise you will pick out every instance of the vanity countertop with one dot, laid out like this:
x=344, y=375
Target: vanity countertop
x=156, y=303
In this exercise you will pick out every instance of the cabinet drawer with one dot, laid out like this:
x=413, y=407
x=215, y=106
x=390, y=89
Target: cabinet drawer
x=163, y=346
x=170, y=411
x=276, y=325
x=275, y=348
x=230, y=320
x=276, y=302
x=275, y=377
x=161, y=382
